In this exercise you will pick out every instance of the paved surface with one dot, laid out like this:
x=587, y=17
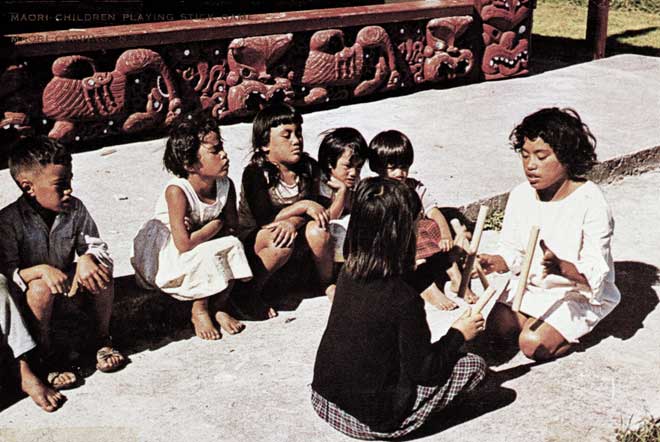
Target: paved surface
x=255, y=386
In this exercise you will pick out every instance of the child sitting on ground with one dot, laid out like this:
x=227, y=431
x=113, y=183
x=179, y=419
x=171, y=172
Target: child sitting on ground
x=15, y=339
x=377, y=374
x=391, y=155
x=40, y=235
x=279, y=189
x=342, y=153
x=188, y=249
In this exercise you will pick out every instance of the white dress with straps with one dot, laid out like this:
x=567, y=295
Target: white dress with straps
x=201, y=272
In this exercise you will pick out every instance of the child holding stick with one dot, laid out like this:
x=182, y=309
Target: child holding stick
x=377, y=373
x=571, y=284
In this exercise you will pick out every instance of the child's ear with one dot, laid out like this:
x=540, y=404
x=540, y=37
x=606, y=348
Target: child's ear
x=26, y=186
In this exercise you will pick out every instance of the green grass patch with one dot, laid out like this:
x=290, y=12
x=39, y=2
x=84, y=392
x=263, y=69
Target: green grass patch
x=627, y=27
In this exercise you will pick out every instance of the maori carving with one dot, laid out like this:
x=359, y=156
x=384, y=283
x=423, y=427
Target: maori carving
x=78, y=94
x=250, y=80
x=208, y=84
x=16, y=105
x=331, y=63
x=437, y=58
x=506, y=33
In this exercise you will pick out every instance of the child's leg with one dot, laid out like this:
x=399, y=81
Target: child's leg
x=436, y=297
x=320, y=243
x=540, y=341
x=45, y=397
x=201, y=320
x=108, y=359
x=430, y=278
x=41, y=301
x=227, y=322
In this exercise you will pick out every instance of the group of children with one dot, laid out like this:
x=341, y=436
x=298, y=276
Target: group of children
x=377, y=374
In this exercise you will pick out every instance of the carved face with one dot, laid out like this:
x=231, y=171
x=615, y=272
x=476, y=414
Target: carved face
x=506, y=53
x=447, y=61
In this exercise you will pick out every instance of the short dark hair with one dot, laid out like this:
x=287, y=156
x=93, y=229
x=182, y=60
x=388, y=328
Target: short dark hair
x=564, y=131
x=337, y=141
x=34, y=152
x=185, y=138
x=390, y=147
x=388, y=250
x=266, y=119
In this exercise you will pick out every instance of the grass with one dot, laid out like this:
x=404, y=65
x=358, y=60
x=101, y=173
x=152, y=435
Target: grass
x=648, y=430
x=626, y=27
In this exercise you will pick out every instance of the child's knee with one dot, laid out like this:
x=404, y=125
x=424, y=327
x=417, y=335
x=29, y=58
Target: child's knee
x=316, y=236
x=531, y=344
x=39, y=290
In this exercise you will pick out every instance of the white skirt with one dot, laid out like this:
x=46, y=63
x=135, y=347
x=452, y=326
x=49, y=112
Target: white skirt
x=199, y=273
x=563, y=307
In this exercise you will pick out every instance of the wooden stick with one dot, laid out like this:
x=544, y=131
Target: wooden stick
x=483, y=299
x=472, y=253
x=524, y=272
x=481, y=274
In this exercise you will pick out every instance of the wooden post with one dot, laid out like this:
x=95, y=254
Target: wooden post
x=524, y=272
x=474, y=247
x=596, y=35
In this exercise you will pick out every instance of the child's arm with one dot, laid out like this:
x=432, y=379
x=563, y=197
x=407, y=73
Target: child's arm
x=305, y=207
x=339, y=197
x=446, y=242
x=177, y=207
x=56, y=280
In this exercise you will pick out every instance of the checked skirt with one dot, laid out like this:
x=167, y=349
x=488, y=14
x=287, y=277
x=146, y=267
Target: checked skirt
x=468, y=372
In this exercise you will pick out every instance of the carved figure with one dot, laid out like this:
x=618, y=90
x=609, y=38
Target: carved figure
x=506, y=31
x=332, y=63
x=72, y=97
x=443, y=60
x=210, y=85
x=249, y=80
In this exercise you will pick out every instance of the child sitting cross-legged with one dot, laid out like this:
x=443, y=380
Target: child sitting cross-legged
x=391, y=155
x=40, y=235
x=377, y=374
x=188, y=250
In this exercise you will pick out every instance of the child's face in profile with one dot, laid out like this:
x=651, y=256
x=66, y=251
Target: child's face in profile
x=541, y=165
x=285, y=145
x=347, y=169
x=50, y=186
x=212, y=159
x=397, y=172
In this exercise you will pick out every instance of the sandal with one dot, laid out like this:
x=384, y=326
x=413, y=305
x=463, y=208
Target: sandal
x=59, y=381
x=104, y=355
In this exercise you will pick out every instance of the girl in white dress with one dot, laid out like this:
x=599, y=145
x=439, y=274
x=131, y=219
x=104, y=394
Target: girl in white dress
x=188, y=249
x=571, y=284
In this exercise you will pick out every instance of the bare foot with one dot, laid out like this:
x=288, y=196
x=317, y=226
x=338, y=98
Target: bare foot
x=204, y=327
x=45, y=397
x=469, y=296
x=228, y=323
x=434, y=296
x=454, y=277
x=330, y=292
x=62, y=380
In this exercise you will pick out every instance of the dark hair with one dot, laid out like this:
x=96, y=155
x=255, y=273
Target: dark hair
x=390, y=147
x=36, y=151
x=389, y=249
x=564, y=131
x=186, y=135
x=337, y=141
x=266, y=119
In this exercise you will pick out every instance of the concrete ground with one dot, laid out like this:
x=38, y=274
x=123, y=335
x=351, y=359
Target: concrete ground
x=255, y=386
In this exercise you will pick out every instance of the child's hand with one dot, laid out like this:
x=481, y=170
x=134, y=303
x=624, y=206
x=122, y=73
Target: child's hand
x=55, y=279
x=470, y=325
x=551, y=263
x=284, y=233
x=445, y=245
x=187, y=222
x=337, y=185
x=492, y=263
x=91, y=275
x=318, y=213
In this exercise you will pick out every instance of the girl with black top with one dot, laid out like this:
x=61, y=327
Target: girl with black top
x=279, y=189
x=377, y=373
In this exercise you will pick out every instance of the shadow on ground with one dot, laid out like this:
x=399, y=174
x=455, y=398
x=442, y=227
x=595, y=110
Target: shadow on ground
x=549, y=53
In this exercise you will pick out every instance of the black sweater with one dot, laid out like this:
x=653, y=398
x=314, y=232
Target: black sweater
x=377, y=348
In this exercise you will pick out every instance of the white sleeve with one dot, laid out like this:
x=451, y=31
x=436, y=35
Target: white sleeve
x=594, y=258
x=428, y=200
